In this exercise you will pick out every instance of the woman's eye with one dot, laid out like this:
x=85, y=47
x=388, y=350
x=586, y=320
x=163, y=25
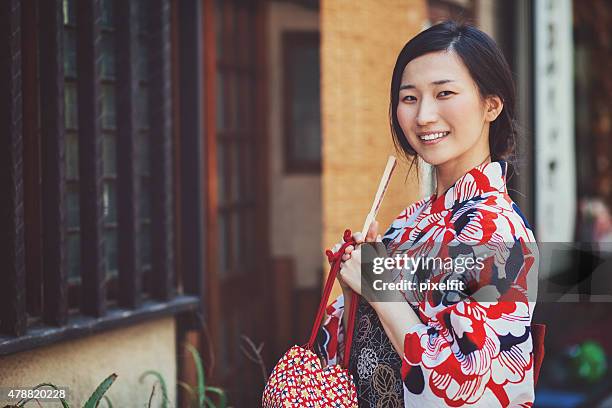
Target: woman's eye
x=445, y=93
x=408, y=98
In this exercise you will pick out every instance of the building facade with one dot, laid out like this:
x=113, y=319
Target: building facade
x=172, y=171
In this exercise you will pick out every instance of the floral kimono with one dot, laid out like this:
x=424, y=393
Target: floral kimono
x=466, y=351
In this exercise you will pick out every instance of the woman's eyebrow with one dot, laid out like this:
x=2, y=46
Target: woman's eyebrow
x=439, y=82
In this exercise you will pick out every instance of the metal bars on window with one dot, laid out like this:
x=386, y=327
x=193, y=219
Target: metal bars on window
x=128, y=186
x=93, y=293
x=55, y=273
x=86, y=180
x=162, y=265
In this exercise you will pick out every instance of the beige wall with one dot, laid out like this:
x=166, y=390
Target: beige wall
x=360, y=42
x=295, y=217
x=82, y=364
x=485, y=15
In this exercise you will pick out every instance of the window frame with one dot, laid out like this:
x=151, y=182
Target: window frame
x=290, y=42
x=33, y=211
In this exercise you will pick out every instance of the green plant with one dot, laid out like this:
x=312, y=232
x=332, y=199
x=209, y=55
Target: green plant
x=201, y=394
x=97, y=395
x=162, y=384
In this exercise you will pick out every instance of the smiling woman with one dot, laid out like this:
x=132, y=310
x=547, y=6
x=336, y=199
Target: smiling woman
x=445, y=119
x=452, y=105
x=439, y=112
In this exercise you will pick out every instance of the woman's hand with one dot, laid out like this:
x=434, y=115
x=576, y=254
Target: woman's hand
x=350, y=268
x=357, y=236
x=345, y=257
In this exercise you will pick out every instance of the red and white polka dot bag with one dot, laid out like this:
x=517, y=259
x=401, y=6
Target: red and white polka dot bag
x=298, y=379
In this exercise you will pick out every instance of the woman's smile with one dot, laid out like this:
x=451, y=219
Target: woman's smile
x=431, y=138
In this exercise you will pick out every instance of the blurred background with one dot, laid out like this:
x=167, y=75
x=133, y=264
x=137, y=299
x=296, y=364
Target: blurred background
x=172, y=170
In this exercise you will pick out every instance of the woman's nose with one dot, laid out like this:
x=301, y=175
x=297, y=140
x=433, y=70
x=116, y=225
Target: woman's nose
x=427, y=112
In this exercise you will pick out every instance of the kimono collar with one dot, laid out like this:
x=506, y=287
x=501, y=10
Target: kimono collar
x=481, y=179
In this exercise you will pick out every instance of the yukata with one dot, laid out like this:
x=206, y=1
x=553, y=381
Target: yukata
x=466, y=351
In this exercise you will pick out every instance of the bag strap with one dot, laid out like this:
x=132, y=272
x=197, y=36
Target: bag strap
x=348, y=338
x=336, y=260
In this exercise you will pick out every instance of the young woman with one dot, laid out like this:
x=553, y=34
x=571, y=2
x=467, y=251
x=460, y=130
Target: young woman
x=452, y=105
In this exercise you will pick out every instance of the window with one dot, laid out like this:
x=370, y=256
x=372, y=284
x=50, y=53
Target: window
x=302, y=102
x=87, y=221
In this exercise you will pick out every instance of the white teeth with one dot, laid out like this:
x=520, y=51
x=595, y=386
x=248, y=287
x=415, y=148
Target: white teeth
x=433, y=136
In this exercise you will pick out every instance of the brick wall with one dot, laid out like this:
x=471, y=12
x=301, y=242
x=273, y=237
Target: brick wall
x=360, y=41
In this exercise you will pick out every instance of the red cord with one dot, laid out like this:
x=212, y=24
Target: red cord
x=336, y=260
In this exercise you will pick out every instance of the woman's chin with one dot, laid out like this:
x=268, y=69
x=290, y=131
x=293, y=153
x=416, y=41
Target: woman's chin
x=434, y=159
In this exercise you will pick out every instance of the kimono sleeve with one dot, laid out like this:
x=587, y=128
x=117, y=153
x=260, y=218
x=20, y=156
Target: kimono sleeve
x=479, y=348
x=330, y=338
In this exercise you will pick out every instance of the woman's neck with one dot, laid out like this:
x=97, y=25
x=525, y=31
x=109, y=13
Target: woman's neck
x=448, y=173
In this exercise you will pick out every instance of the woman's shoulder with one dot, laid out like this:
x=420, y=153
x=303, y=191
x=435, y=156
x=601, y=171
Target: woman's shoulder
x=410, y=212
x=413, y=209
x=499, y=214
x=406, y=218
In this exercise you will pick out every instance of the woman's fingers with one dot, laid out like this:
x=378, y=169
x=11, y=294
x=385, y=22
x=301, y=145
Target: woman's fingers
x=380, y=249
x=358, y=237
x=350, y=271
x=372, y=232
x=335, y=249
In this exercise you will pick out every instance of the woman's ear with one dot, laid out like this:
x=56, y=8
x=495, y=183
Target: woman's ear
x=494, y=106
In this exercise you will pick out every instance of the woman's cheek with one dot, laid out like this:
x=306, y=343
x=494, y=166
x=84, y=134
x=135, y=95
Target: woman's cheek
x=405, y=117
x=459, y=111
x=453, y=111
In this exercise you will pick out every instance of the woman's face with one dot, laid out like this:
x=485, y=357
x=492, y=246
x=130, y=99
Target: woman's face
x=441, y=111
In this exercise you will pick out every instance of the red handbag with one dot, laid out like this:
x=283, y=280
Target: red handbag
x=298, y=379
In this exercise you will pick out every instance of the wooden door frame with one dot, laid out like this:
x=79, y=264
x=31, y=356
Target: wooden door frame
x=210, y=187
x=209, y=180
